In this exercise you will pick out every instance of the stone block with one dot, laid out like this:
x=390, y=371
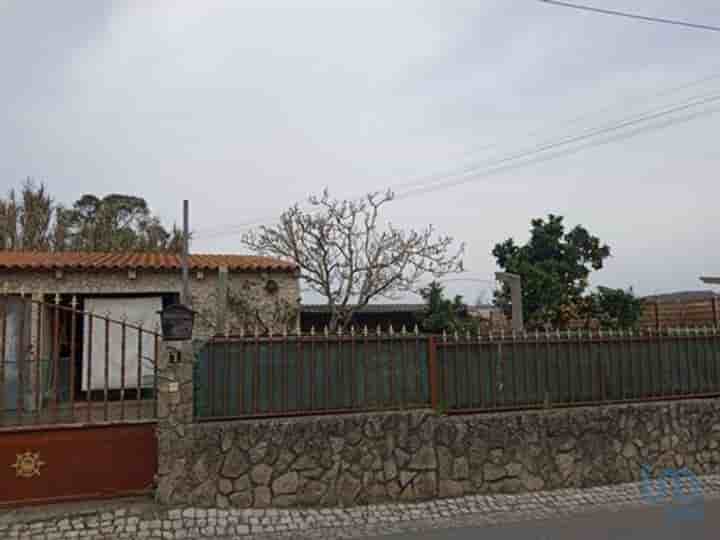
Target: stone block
x=423, y=460
x=236, y=464
x=260, y=474
x=286, y=484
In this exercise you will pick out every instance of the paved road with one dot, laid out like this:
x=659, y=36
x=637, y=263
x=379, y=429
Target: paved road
x=656, y=523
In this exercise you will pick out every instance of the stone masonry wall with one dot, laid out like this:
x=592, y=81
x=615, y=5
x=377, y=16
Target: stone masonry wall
x=411, y=456
x=204, y=291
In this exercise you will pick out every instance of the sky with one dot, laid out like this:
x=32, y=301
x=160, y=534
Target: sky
x=246, y=107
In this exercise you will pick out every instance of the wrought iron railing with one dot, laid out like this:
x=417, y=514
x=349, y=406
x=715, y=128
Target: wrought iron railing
x=60, y=364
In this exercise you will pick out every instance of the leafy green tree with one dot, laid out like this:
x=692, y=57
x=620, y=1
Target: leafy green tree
x=31, y=220
x=116, y=223
x=614, y=308
x=554, y=266
x=26, y=218
x=443, y=314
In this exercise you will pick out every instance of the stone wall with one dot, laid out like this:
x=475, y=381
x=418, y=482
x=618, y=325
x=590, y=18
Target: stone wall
x=410, y=456
x=269, y=306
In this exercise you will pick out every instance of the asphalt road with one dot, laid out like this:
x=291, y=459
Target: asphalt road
x=656, y=523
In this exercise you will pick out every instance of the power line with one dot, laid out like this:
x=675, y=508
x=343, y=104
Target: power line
x=619, y=137
x=632, y=15
x=572, y=121
x=477, y=175
x=237, y=227
x=502, y=166
x=540, y=153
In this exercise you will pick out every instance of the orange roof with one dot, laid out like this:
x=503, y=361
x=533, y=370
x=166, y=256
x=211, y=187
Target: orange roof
x=32, y=260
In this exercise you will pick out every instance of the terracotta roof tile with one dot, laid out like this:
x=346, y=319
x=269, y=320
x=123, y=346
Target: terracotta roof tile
x=32, y=260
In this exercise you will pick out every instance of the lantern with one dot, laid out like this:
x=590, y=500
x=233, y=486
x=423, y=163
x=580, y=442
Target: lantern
x=177, y=322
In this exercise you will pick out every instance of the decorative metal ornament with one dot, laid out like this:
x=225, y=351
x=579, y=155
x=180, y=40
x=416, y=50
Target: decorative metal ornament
x=28, y=464
x=271, y=286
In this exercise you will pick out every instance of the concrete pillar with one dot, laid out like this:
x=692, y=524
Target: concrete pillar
x=175, y=417
x=515, y=283
x=222, y=300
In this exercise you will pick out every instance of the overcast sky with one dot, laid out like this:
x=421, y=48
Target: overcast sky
x=246, y=109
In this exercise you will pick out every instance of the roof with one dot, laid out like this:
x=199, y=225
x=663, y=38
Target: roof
x=711, y=280
x=34, y=260
x=370, y=308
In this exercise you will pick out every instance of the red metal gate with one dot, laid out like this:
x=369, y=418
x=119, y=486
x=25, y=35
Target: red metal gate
x=77, y=403
x=74, y=463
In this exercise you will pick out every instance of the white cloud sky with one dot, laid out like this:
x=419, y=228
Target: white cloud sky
x=247, y=107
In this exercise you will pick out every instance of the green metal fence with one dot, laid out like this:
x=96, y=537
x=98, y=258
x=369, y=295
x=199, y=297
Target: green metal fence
x=577, y=368
x=302, y=375
x=254, y=377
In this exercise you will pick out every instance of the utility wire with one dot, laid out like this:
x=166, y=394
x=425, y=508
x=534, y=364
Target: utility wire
x=548, y=157
x=501, y=167
x=645, y=98
x=539, y=153
x=589, y=134
x=632, y=15
x=237, y=227
x=567, y=139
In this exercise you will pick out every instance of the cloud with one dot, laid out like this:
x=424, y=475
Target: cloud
x=246, y=107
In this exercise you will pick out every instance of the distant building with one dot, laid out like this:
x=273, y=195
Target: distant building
x=385, y=315
x=373, y=315
x=682, y=296
x=484, y=311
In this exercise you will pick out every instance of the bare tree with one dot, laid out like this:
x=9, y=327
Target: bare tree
x=346, y=256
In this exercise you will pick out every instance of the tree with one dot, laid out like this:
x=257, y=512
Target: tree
x=33, y=220
x=554, y=266
x=347, y=257
x=26, y=221
x=443, y=314
x=614, y=308
x=115, y=222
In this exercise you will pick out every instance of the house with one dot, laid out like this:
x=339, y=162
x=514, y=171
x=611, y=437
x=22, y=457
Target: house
x=485, y=311
x=137, y=285
x=385, y=315
x=228, y=292
x=317, y=316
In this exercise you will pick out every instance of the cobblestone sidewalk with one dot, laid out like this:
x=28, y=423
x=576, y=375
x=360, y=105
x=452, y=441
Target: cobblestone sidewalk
x=129, y=519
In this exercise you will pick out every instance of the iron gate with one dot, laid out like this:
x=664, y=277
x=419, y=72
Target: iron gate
x=77, y=402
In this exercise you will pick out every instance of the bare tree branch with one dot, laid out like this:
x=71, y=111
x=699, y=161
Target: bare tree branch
x=347, y=258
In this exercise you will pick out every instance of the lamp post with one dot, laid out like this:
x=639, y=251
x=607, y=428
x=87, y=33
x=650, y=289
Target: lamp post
x=515, y=283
